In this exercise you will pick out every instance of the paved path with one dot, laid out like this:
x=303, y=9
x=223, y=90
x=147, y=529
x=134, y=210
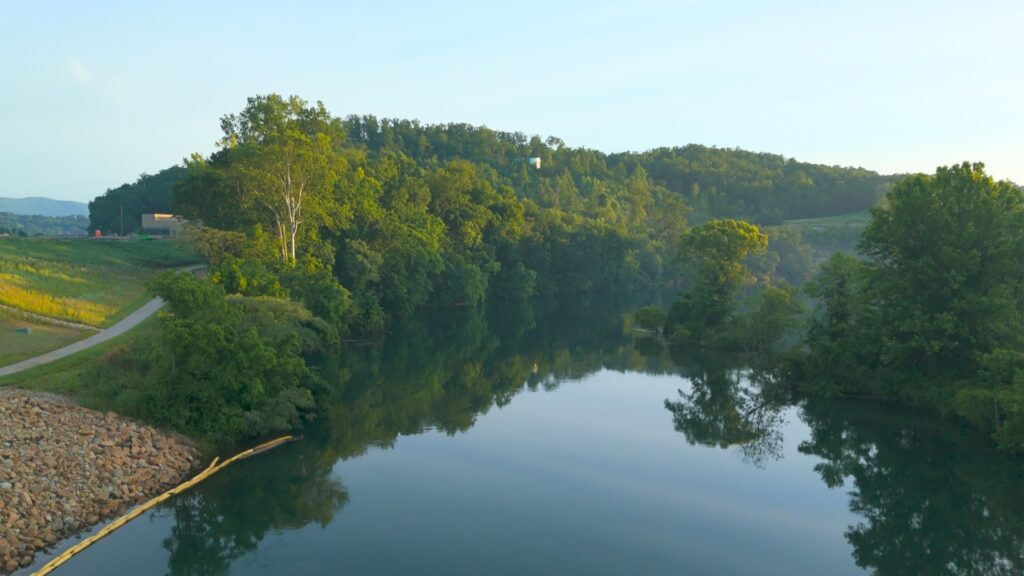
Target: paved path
x=129, y=322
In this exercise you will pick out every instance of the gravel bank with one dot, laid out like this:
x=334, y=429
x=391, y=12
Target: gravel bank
x=64, y=468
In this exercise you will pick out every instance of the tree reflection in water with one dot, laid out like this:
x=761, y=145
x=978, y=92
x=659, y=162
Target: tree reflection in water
x=232, y=512
x=438, y=371
x=727, y=407
x=932, y=498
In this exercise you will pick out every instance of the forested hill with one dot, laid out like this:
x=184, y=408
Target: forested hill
x=406, y=214
x=714, y=182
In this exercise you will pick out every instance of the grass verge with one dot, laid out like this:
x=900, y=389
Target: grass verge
x=42, y=337
x=61, y=376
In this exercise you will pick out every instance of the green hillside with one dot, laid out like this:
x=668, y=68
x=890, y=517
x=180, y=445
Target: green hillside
x=83, y=280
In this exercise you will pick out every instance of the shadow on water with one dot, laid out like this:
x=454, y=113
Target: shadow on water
x=931, y=498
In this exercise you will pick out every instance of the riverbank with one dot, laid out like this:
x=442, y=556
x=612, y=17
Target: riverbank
x=64, y=468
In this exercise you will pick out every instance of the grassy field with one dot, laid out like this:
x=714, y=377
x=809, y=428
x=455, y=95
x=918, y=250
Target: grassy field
x=89, y=281
x=852, y=219
x=61, y=376
x=16, y=346
x=832, y=234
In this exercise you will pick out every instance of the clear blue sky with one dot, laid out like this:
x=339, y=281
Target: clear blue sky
x=96, y=93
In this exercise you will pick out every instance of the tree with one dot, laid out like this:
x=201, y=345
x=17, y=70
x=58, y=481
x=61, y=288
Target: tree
x=650, y=318
x=284, y=162
x=839, y=341
x=712, y=257
x=772, y=315
x=936, y=315
x=947, y=270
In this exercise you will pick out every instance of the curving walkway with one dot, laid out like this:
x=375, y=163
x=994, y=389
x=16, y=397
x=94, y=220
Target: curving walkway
x=129, y=322
x=126, y=324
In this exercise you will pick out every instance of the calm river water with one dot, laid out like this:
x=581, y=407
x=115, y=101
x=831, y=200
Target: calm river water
x=550, y=442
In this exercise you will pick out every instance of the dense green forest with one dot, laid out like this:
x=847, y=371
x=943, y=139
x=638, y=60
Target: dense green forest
x=34, y=225
x=406, y=215
x=320, y=229
x=119, y=210
x=712, y=182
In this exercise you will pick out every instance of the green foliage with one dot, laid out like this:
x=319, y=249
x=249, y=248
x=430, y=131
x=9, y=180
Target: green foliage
x=247, y=277
x=189, y=296
x=370, y=220
x=936, y=314
x=407, y=215
x=994, y=399
x=947, y=271
x=714, y=252
x=788, y=258
x=769, y=322
x=281, y=160
x=714, y=182
x=650, y=318
x=322, y=295
x=222, y=369
x=206, y=195
x=839, y=333
x=35, y=225
x=712, y=256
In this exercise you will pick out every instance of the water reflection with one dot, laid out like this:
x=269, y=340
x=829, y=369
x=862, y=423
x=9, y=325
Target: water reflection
x=931, y=497
x=728, y=407
x=232, y=513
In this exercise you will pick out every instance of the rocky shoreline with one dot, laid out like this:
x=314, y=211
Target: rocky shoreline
x=64, y=468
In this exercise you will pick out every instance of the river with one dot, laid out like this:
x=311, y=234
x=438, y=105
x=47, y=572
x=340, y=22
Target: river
x=526, y=441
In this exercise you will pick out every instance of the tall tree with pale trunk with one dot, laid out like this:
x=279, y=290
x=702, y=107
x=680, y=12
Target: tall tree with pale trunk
x=284, y=164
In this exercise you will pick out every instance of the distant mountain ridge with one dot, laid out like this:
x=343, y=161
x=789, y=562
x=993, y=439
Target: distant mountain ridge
x=37, y=205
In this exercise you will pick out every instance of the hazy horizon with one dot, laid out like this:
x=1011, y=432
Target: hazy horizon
x=104, y=94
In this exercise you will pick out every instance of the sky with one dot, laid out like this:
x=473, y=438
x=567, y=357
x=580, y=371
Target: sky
x=94, y=94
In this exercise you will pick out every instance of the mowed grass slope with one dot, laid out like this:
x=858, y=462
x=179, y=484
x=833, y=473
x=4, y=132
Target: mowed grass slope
x=89, y=281
x=62, y=376
x=41, y=337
